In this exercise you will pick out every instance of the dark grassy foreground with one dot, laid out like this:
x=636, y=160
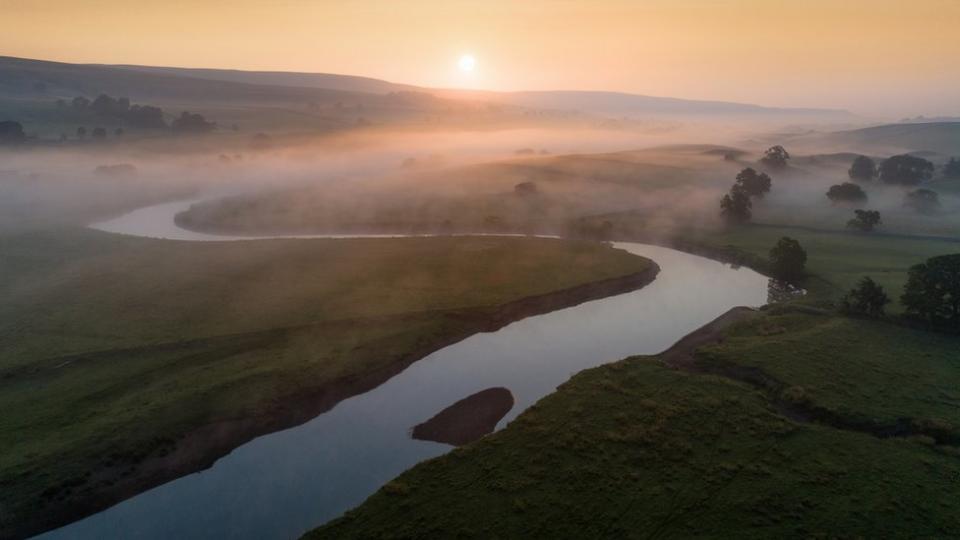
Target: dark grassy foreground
x=127, y=362
x=636, y=449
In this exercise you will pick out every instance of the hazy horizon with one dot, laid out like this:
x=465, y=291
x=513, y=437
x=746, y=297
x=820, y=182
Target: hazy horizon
x=881, y=60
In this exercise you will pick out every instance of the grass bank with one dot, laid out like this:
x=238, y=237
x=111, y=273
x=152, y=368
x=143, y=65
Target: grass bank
x=637, y=449
x=129, y=361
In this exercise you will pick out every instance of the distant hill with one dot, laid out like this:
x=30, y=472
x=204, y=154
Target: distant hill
x=604, y=103
x=347, y=83
x=303, y=96
x=940, y=137
x=34, y=78
x=617, y=103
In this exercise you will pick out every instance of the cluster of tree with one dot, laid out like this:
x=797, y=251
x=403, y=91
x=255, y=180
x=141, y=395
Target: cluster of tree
x=192, y=123
x=11, y=132
x=144, y=116
x=863, y=169
x=924, y=201
x=775, y=157
x=847, y=192
x=864, y=220
x=788, y=260
x=932, y=292
x=737, y=206
x=98, y=133
x=905, y=170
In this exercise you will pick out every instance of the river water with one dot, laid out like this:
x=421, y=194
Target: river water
x=285, y=483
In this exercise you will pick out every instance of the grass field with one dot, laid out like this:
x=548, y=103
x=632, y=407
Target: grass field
x=841, y=259
x=637, y=450
x=116, y=347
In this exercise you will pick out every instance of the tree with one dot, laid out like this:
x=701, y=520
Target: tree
x=99, y=133
x=11, y=132
x=863, y=168
x=105, y=105
x=865, y=220
x=905, y=170
x=775, y=157
x=735, y=206
x=846, y=192
x=932, y=291
x=145, y=116
x=788, y=260
x=867, y=298
x=118, y=132
x=924, y=201
x=81, y=133
x=952, y=169
x=753, y=183
x=80, y=102
x=192, y=123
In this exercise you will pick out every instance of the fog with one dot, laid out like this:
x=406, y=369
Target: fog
x=667, y=175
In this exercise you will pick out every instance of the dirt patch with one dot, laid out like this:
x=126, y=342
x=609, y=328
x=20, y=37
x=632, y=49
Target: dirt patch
x=468, y=419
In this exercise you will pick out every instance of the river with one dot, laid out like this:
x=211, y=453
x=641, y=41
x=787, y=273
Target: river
x=282, y=484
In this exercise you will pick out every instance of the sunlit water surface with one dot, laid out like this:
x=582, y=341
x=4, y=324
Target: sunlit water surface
x=282, y=484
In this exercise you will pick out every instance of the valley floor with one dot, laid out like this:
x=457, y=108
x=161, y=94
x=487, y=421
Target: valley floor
x=128, y=361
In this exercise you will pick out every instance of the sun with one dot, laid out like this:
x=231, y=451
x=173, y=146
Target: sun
x=467, y=63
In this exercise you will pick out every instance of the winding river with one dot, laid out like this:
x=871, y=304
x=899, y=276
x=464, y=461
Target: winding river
x=285, y=483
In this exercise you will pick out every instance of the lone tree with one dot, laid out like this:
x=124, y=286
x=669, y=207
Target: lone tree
x=788, y=260
x=865, y=220
x=846, y=192
x=932, y=291
x=952, y=169
x=924, y=201
x=863, y=169
x=775, y=157
x=753, y=183
x=11, y=132
x=736, y=206
x=906, y=170
x=867, y=298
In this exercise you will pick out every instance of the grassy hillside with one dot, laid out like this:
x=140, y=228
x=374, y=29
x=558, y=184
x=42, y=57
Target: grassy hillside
x=637, y=450
x=129, y=361
x=941, y=137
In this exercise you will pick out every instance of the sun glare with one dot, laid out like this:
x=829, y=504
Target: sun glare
x=467, y=63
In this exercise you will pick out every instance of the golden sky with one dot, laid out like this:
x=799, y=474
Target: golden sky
x=881, y=57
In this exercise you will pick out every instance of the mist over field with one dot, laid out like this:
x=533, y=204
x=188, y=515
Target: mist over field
x=604, y=269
